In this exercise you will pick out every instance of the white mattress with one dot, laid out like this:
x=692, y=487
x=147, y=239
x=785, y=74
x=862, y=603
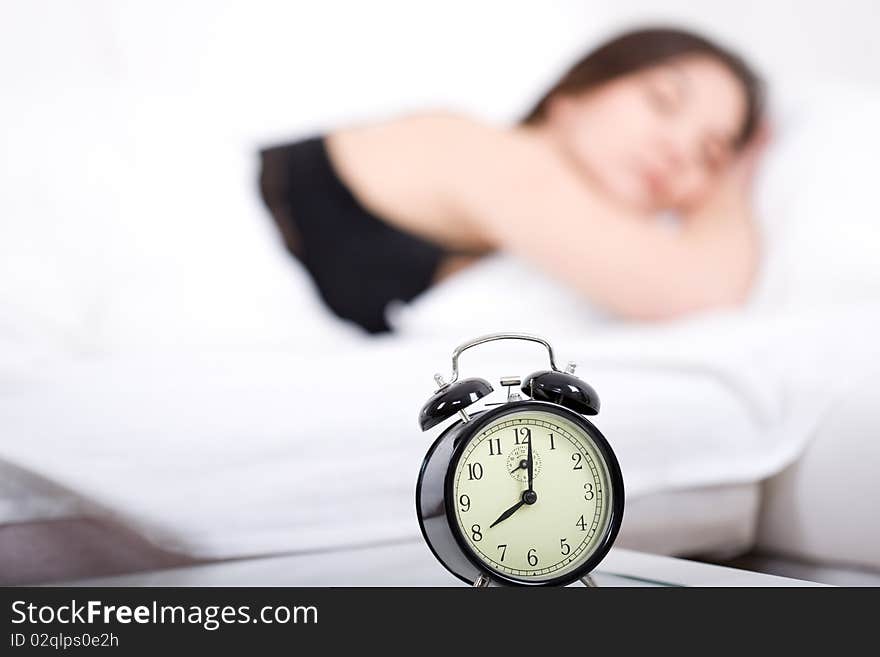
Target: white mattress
x=710, y=521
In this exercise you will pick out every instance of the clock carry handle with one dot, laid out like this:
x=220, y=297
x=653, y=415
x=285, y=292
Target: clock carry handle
x=453, y=396
x=491, y=338
x=553, y=385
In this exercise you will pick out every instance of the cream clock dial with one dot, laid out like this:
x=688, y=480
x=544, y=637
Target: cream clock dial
x=531, y=495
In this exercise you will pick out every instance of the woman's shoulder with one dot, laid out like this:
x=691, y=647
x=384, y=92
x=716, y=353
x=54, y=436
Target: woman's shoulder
x=438, y=129
x=448, y=160
x=428, y=148
x=484, y=151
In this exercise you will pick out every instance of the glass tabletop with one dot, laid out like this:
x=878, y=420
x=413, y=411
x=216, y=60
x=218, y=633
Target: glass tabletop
x=410, y=563
x=629, y=568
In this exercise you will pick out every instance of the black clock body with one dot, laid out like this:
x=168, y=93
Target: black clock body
x=435, y=498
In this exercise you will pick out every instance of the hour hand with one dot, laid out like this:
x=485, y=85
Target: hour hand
x=508, y=513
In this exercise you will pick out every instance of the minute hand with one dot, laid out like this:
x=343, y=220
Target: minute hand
x=530, y=465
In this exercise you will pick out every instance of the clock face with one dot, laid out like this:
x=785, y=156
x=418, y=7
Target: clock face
x=540, y=533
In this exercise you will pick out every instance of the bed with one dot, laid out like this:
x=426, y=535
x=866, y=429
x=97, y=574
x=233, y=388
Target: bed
x=170, y=383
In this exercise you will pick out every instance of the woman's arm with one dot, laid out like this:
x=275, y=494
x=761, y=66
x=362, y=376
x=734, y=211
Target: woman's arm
x=468, y=186
x=525, y=199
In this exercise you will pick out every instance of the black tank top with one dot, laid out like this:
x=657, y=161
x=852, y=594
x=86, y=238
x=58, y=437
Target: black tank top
x=359, y=262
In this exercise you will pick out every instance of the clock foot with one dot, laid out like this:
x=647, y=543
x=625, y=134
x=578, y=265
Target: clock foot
x=589, y=581
x=481, y=582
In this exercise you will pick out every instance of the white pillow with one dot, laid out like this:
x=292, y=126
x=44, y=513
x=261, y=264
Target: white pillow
x=817, y=199
x=497, y=293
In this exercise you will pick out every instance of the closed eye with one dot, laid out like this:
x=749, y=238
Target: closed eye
x=714, y=155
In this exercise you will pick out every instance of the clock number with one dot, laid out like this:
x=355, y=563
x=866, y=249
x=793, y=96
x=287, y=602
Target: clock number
x=589, y=494
x=475, y=471
x=526, y=433
x=576, y=457
x=532, y=558
x=552, y=444
x=564, y=546
x=465, y=502
x=475, y=533
x=494, y=446
x=503, y=548
x=580, y=523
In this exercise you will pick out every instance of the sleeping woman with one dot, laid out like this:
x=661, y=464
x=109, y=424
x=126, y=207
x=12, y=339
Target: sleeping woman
x=653, y=122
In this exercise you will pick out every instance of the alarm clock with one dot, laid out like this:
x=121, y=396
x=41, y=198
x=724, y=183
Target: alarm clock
x=523, y=492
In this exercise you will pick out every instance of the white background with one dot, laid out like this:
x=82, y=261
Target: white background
x=346, y=60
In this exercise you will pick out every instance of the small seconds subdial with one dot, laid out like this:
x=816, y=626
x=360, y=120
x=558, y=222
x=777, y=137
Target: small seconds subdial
x=517, y=462
x=537, y=533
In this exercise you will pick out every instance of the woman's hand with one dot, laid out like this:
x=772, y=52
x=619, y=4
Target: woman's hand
x=530, y=203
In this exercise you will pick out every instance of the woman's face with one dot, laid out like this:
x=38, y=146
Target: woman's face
x=655, y=139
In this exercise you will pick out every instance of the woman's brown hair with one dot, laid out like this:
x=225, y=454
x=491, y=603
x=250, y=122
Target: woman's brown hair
x=643, y=48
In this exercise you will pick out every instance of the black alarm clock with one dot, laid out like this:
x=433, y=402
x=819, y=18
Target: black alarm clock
x=522, y=492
